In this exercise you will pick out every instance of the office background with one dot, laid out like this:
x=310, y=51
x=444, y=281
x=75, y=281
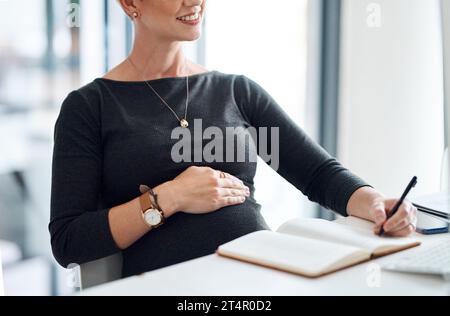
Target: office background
x=364, y=78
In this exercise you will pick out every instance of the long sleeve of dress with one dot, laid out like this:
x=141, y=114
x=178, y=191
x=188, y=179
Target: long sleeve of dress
x=302, y=161
x=79, y=229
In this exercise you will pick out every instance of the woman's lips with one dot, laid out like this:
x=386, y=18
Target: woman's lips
x=195, y=22
x=191, y=22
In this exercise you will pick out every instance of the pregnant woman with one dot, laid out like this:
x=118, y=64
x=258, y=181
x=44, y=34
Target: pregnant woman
x=118, y=183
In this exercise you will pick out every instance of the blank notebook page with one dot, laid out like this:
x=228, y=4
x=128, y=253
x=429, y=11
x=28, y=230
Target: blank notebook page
x=286, y=252
x=342, y=234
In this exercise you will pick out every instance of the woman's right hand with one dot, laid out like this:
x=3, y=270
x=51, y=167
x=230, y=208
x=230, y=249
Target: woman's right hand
x=200, y=190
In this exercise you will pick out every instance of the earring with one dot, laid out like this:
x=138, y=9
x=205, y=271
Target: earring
x=135, y=15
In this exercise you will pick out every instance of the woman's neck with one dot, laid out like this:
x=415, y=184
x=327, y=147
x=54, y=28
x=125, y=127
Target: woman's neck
x=156, y=57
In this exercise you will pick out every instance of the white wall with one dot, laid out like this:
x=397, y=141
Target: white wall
x=391, y=120
x=446, y=10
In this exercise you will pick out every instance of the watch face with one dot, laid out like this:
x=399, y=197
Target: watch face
x=152, y=217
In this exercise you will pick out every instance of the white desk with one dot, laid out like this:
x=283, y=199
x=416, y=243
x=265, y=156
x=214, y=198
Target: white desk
x=218, y=276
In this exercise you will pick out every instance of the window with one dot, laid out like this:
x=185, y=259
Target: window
x=267, y=42
x=39, y=62
x=392, y=102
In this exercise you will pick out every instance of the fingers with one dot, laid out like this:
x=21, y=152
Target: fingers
x=227, y=189
x=401, y=219
x=378, y=213
x=226, y=197
x=232, y=184
x=232, y=200
x=403, y=222
x=235, y=192
x=377, y=230
x=225, y=175
x=232, y=190
x=233, y=196
x=405, y=231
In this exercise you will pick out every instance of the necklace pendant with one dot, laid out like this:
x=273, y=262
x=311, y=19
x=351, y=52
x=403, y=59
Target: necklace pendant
x=184, y=123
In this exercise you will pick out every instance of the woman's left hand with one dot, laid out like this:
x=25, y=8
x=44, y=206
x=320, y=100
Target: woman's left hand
x=370, y=204
x=402, y=224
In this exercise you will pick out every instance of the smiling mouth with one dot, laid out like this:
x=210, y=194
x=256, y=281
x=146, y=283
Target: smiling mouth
x=190, y=18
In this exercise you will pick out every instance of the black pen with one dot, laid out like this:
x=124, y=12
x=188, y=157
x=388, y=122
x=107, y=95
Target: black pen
x=411, y=185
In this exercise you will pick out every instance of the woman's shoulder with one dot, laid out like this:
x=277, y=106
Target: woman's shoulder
x=241, y=82
x=84, y=101
x=237, y=81
x=236, y=78
x=88, y=93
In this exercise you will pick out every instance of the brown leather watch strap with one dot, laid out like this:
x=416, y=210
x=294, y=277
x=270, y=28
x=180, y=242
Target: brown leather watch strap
x=146, y=202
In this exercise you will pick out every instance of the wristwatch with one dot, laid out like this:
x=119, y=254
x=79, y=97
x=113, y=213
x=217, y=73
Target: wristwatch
x=152, y=216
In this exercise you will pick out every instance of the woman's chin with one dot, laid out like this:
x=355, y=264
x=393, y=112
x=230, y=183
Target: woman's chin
x=191, y=37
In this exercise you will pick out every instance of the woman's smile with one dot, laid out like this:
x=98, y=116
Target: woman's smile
x=191, y=19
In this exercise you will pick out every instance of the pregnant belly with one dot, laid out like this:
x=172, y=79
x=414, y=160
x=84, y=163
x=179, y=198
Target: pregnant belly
x=185, y=236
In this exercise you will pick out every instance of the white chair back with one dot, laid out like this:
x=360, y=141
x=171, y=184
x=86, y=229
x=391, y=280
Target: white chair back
x=101, y=271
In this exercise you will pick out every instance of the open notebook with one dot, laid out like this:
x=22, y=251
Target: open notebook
x=313, y=247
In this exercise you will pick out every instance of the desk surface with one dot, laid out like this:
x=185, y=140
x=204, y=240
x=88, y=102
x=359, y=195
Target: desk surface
x=218, y=276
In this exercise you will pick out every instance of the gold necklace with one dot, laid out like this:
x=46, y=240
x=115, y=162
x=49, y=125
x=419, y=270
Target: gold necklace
x=183, y=122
